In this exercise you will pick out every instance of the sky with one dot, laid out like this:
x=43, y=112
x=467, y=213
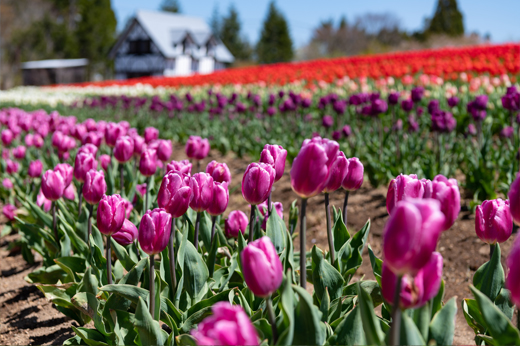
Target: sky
x=499, y=18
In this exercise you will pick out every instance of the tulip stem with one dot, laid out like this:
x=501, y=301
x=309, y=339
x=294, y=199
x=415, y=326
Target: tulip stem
x=252, y=223
x=122, y=179
x=491, y=250
x=198, y=166
x=272, y=319
x=80, y=196
x=54, y=228
x=396, y=314
x=137, y=251
x=269, y=207
x=109, y=260
x=345, y=204
x=147, y=193
x=329, y=231
x=197, y=225
x=152, y=286
x=171, y=253
x=213, y=224
x=89, y=223
x=303, y=259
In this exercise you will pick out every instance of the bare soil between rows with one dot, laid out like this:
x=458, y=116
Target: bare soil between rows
x=28, y=318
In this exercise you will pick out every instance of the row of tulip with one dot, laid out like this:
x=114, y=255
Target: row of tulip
x=211, y=285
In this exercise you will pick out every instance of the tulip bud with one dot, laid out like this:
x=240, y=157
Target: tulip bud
x=154, y=231
x=127, y=234
x=493, y=221
x=415, y=291
x=83, y=163
x=261, y=267
x=66, y=172
x=9, y=211
x=228, y=325
x=53, y=185
x=37, y=141
x=311, y=167
x=202, y=189
x=197, y=148
x=105, y=161
x=183, y=166
x=7, y=137
x=150, y=134
x=354, y=177
x=68, y=193
x=7, y=184
x=139, y=145
x=112, y=132
x=514, y=199
x=337, y=173
x=219, y=172
x=19, y=152
x=11, y=166
x=220, y=199
x=42, y=201
x=262, y=207
x=124, y=149
x=94, y=187
x=401, y=187
x=35, y=169
x=110, y=214
x=148, y=162
x=513, y=277
x=164, y=150
x=88, y=149
x=236, y=222
x=257, y=182
x=411, y=234
x=277, y=154
x=175, y=193
x=447, y=192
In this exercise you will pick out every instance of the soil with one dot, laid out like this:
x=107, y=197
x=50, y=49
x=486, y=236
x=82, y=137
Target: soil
x=26, y=317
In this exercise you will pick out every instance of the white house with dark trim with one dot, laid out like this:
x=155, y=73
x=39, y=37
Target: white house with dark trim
x=167, y=44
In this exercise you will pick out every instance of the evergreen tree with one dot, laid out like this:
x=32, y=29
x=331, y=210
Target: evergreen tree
x=447, y=19
x=170, y=6
x=215, y=21
x=275, y=43
x=230, y=36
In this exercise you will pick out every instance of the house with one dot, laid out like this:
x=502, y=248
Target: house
x=167, y=44
x=55, y=71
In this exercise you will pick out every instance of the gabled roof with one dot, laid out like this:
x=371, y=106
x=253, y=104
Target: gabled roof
x=166, y=29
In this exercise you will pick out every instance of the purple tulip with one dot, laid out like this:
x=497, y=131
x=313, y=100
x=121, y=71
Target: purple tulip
x=35, y=169
x=9, y=212
x=327, y=121
x=472, y=130
x=411, y=234
x=417, y=94
x=69, y=193
x=66, y=172
x=110, y=214
x=175, y=193
x=513, y=277
x=415, y=291
x=88, y=149
x=11, y=166
x=7, y=184
x=220, y=199
x=42, y=201
x=443, y=121
x=37, y=141
x=514, y=199
x=393, y=98
x=197, y=148
x=150, y=134
x=124, y=149
x=346, y=131
x=201, y=185
x=493, y=221
x=7, y=137
x=453, y=101
x=336, y=135
x=148, y=162
x=53, y=185
x=127, y=234
x=311, y=167
x=94, y=187
x=354, y=177
x=112, y=132
x=337, y=173
x=228, y=325
x=164, y=150
x=407, y=105
x=446, y=191
x=19, y=152
x=139, y=145
x=507, y=132
x=154, y=231
x=274, y=155
x=237, y=221
x=257, y=182
x=183, y=166
x=433, y=106
x=403, y=186
x=219, y=172
x=83, y=163
x=262, y=207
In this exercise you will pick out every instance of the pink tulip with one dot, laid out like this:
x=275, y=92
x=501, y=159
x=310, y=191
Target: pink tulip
x=124, y=149
x=110, y=214
x=105, y=161
x=257, y=182
x=53, y=185
x=337, y=173
x=9, y=211
x=274, y=155
x=228, y=325
x=7, y=137
x=219, y=171
x=514, y=199
x=354, y=177
x=148, y=163
x=112, y=132
x=262, y=207
x=88, y=149
x=411, y=234
x=141, y=189
x=37, y=141
x=493, y=221
x=183, y=166
x=220, y=199
x=127, y=234
x=175, y=193
x=236, y=222
x=150, y=134
x=7, y=184
x=139, y=145
x=94, y=138
x=66, y=172
x=261, y=267
x=68, y=193
x=128, y=208
x=447, y=192
x=513, y=276
x=404, y=186
x=11, y=166
x=94, y=187
x=164, y=150
x=19, y=152
x=42, y=201
x=29, y=140
x=202, y=189
x=154, y=231
x=83, y=163
x=197, y=148
x=35, y=169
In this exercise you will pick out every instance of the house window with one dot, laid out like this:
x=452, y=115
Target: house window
x=140, y=47
x=194, y=65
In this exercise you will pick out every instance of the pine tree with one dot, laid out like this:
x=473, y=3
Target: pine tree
x=447, y=19
x=275, y=44
x=215, y=21
x=171, y=6
x=230, y=36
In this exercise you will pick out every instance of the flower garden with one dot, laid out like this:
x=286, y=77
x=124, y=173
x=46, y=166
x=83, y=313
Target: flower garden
x=239, y=207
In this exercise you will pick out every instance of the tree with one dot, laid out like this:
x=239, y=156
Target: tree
x=170, y=6
x=447, y=19
x=275, y=44
x=230, y=36
x=215, y=21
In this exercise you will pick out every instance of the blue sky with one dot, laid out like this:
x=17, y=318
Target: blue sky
x=498, y=18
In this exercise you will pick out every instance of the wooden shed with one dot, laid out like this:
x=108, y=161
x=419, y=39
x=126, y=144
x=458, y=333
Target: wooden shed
x=56, y=71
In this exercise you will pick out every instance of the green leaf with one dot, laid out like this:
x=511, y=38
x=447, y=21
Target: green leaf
x=436, y=303
x=371, y=326
x=499, y=326
x=150, y=332
x=442, y=326
x=357, y=243
x=286, y=304
x=409, y=334
x=308, y=328
x=350, y=330
x=195, y=271
x=38, y=212
x=341, y=235
x=377, y=265
x=503, y=302
x=490, y=278
x=212, y=256
x=185, y=340
x=421, y=318
x=473, y=316
x=122, y=255
x=205, y=230
x=293, y=216
x=90, y=336
x=324, y=275
x=134, y=275
x=263, y=329
x=325, y=305
x=47, y=275
x=241, y=246
x=275, y=230
x=71, y=265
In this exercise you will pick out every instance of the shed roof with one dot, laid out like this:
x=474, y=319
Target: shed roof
x=54, y=63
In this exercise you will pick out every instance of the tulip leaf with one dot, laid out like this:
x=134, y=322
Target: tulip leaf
x=195, y=272
x=205, y=230
x=220, y=297
x=91, y=337
x=442, y=326
x=263, y=328
x=71, y=265
x=490, y=278
x=308, y=328
x=357, y=243
x=286, y=304
x=212, y=256
x=498, y=325
x=79, y=245
x=134, y=275
x=325, y=305
x=421, y=318
x=122, y=255
x=67, y=216
x=241, y=246
x=371, y=325
x=185, y=340
x=377, y=265
x=47, y=275
x=275, y=230
x=341, y=235
x=38, y=212
x=293, y=216
x=324, y=275
x=503, y=302
x=436, y=302
x=473, y=316
x=409, y=334
x=288, y=262
x=150, y=332
x=350, y=330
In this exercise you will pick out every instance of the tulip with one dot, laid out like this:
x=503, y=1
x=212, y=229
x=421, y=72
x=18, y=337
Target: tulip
x=105, y=161
x=220, y=199
x=148, y=162
x=236, y=222
x=42, y=201
x=84, y=162
x=66, y=172
x=110, y=214
x=447, y=192
x=112, y=132
x=403, y=186
x=164, y=150
x=219, y=172
x=262, y=207
x=327, y=121
x=9, y=211
x=257, y=182
x=88, y=149
x=7, y=184
x=352, y=181
x=35, y=169
x=11, y=166
x=513, y=277
x=139, y=145
x=53, y=185
x=202, y=188
x=127, y=234
x=415, y=291
x=124, y=149
x=228, y=325
x=19, y=152
x=37, y=141
x=493, y=222
x=7, y=137
x=175, y=193
x=94, y=187
x=68, y=193
x=197, y=148
x=154, y=234
x=393, y=98
x=150, y=134
x=514, y=199
x=183, y=166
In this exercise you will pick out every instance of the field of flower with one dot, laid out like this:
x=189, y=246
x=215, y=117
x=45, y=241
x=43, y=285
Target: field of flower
x=140, y=246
